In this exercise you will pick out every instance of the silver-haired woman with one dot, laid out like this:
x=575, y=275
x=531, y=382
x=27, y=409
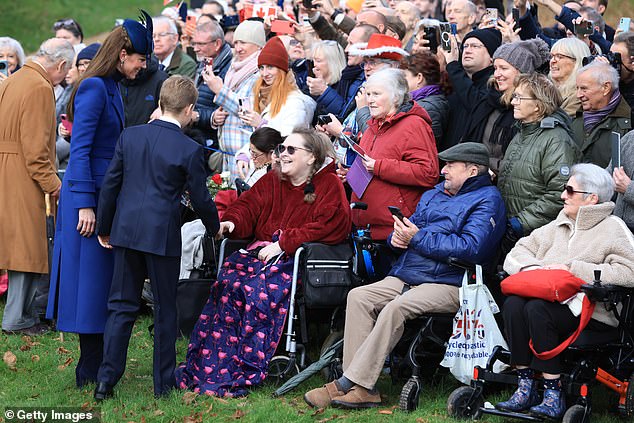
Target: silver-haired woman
x=12, y=53
x=584, y=237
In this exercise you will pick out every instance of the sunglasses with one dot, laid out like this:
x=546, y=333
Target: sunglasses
x=290, y=149
x=64, y=23
x=571, y=191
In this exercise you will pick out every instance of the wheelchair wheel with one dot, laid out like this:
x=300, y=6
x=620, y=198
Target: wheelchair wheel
x=574, y=414
x=410, y=394
x=629, y=398
x=333, y=370
x=461, y=406
x=280, y=369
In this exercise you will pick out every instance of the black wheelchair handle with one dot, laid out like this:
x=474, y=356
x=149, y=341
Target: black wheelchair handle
x=453, y=261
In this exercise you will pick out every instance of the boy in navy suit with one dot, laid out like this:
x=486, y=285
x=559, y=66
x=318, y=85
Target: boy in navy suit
x=139, y=216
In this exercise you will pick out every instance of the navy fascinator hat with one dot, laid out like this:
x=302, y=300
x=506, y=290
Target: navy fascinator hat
x=140, y=35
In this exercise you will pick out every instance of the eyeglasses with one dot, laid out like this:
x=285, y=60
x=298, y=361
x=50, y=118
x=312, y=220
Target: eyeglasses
x=571, y=191
x=372, y=63
x=291, y=149
x=83, y=65
x=473, y=46
x=64, y=23
x=293, y=42
x=161, y=35
x=255, y=155
x=200, y=43
x=559, y=56
x=519, y=98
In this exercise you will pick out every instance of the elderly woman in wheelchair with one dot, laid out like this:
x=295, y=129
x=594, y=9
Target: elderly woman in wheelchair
x=585, y=237
x=240, y=326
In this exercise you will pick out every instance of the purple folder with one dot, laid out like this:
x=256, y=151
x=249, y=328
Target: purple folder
x=358, y=177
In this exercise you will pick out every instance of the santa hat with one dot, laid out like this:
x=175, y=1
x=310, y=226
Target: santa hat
x=379, y=46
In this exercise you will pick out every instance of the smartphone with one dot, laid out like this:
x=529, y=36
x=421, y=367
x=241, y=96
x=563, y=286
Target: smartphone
x=324, y=119
x=190, y=25
x=308, y=4
x=4, y=67
x=209, y=61
x=516, y=16
x=584, y=28
x=280, y=26
x=310, y=65
x=432, y=35
x=396, y=212
x=624, y=24
x=67, y=124
x=445, y=36
x=490, y=15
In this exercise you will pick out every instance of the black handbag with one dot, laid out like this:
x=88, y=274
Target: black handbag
x=326, y=274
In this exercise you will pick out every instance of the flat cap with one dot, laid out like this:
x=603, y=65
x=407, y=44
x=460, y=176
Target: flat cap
x=472, y=152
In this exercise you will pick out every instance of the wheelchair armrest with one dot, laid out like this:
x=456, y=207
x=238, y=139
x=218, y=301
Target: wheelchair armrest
x=603, y=292
x=501, y=275
x=229, y=246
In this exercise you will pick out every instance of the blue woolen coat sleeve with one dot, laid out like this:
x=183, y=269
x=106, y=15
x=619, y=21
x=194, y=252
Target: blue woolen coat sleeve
x=529, y=29
x=110, y=189
x=90, y=100
x=198, y=193
x=478, y=237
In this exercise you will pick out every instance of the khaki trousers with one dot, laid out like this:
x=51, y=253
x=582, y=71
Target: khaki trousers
x=375, y=320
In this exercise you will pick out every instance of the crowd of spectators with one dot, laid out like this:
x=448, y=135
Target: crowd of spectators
x=315, y=107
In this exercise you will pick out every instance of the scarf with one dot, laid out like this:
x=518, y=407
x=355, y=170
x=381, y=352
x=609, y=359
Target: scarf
x=239, y=71
x=425, y=91
x=503, y=128
x=264, y=96
x=591, y=119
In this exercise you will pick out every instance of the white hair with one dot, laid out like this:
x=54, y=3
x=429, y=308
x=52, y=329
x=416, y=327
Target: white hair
x=15, y=46
x=594, y=179
x=394, y=82
x=164, y=19
x=56, y=50
x=334, y=56
x=601, y=73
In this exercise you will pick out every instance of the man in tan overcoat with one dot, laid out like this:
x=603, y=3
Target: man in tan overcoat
x=27, y=172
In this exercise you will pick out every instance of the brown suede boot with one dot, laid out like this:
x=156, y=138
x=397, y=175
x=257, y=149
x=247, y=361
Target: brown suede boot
x=357, y=397
x=322, y=397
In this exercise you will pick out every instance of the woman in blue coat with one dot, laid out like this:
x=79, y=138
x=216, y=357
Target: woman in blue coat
x=82, y=270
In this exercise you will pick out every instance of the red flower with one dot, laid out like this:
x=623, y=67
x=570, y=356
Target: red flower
x=217, y=179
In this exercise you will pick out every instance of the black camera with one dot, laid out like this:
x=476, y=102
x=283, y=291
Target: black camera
x=613, y=58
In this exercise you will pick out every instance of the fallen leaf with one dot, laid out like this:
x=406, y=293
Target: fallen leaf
x=25, y=347
x=421, y=420
x=159, y=412
x=66, y=363
x=62, y=350
x=222, y=400
x=193, y=418
x=143, y=419
x=35, y=358
x=324, y=420
x=10, y=360
x=238, y=414
x=189, y=397
x=87, y=406
x=211, y=406
x=35, y=395
x=386, y=412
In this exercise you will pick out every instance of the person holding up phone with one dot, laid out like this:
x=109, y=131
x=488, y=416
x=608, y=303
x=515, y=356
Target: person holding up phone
x=11, y=56
x=462, y=217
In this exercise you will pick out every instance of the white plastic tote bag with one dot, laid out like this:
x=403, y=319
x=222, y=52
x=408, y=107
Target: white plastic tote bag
x=475, y=331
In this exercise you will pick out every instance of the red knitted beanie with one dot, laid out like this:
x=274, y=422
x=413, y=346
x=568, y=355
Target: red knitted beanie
x=274, y=54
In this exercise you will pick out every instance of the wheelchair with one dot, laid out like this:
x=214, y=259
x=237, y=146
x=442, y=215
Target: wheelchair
x=605, y=358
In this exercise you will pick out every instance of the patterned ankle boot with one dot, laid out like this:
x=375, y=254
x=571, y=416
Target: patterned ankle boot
x=553, y=406
x=523, y=398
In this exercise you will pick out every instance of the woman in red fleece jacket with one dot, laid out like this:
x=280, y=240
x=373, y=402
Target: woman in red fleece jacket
x=240, y=326
x=400, y=153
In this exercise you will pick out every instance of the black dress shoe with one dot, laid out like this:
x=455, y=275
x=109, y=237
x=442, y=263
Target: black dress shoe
x=103, y=391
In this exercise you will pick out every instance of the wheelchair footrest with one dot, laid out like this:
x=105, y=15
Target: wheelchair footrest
x=505, y=378
x=510, y=414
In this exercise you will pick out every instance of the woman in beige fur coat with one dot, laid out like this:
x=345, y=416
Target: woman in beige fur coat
x=583, y=238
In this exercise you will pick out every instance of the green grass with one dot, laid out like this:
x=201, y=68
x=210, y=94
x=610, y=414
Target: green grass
x=44, y=377
x=31, y=21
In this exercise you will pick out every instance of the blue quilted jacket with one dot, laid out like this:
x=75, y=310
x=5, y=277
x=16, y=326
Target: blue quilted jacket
x=467, y=226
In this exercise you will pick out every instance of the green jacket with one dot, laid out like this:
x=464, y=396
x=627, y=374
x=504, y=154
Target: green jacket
x=181, y=64
x=596, y=146
x=535, y=168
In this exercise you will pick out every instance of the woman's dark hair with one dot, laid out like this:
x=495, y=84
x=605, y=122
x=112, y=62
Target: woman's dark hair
x=105, y=61
x=70, y=25
x=266, y=139
x=427, y=64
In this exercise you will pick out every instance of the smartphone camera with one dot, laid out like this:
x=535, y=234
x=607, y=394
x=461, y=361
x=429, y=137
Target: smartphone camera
x=445, y=36
x=431, y=35
x=4, y=67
